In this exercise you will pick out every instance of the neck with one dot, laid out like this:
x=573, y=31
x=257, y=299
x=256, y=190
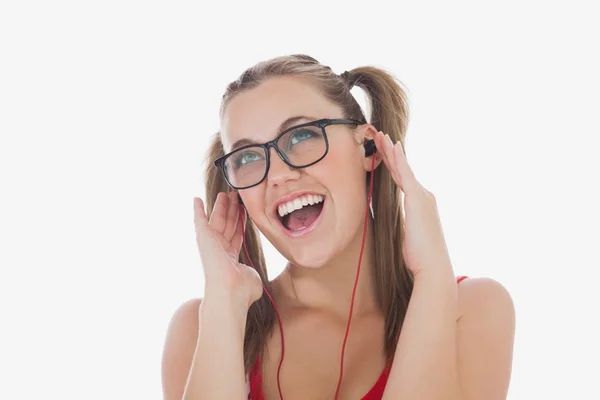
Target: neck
x=330, y=287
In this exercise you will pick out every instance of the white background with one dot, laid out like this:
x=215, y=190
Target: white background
x=105, y=111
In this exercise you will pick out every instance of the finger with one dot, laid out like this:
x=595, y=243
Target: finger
x=390, y=161
x=409, y=179
x=238, y=236
x=381, y=148
x=200, y=219
x=200, y=223
x=218, y=218
x=232, y=216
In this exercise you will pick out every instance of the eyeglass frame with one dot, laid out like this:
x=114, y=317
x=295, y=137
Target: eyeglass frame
x=321, y=123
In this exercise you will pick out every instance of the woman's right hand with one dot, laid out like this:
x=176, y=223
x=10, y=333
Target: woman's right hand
x=219, y=243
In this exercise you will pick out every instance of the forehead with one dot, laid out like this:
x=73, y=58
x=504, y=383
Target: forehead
x=257, y=113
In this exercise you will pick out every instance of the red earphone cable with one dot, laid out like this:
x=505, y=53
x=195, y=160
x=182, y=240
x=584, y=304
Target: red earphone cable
x=362, y=248
x=274, y=306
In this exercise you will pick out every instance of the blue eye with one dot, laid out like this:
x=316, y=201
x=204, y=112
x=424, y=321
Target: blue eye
x=247, y=157
x=301, y=135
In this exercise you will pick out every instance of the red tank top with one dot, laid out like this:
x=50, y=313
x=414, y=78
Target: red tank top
x=255, y=391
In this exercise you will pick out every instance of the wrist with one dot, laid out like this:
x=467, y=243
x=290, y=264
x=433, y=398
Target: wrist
x=229, y=300
x=223, y=310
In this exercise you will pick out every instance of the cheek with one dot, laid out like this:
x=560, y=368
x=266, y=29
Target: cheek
x=344, y=178
x=342, y=156
x=254, y=201
x=342, y=169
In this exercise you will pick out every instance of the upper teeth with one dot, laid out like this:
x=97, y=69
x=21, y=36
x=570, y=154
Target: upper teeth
x=298, y=203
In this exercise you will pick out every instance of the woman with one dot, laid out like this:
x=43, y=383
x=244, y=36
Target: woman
x=383, y=318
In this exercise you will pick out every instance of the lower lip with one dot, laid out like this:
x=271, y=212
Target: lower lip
x=308, y=229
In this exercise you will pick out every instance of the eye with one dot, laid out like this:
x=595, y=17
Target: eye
x=301, y=135
x=246, y=157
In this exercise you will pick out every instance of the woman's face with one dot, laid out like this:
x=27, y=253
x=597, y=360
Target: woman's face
x=314, y=234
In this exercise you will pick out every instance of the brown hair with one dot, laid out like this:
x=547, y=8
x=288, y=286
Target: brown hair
x=389, y=113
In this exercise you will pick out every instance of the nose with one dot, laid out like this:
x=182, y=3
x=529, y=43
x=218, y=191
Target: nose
x=279, y=172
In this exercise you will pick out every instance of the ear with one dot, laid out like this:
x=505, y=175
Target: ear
x=363, y=134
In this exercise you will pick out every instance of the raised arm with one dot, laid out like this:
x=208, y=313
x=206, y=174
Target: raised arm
x=203, y=355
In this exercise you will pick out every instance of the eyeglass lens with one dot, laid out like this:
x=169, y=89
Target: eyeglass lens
x=300, y=147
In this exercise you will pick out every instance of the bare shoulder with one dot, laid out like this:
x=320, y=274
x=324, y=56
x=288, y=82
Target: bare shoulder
x=179, y=348
x=485, y=338
x=484, y=296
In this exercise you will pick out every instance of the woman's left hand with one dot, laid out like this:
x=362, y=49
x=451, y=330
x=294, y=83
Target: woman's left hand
x=424, y=247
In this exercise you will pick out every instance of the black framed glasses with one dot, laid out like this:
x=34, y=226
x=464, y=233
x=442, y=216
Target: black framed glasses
x=299, y=147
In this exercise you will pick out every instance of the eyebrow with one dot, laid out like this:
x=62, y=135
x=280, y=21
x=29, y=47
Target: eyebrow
x=284, y=125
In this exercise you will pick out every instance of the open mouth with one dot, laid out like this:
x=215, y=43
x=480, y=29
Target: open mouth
x=301, y=213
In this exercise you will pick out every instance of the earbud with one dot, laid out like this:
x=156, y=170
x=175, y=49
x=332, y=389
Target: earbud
x=241, y=204
x=370, y=148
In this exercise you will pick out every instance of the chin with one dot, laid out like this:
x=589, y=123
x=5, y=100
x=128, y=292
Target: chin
x=310, y=257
